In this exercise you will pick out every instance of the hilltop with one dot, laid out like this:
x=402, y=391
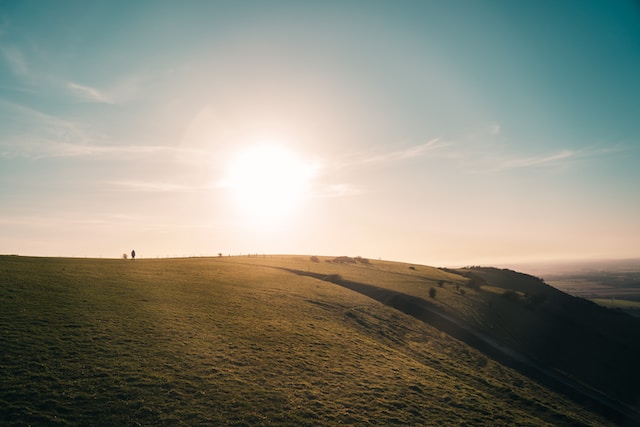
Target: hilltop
x=294, y=340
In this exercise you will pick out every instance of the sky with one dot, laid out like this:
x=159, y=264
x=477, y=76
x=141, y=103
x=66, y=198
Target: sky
x=436, y=132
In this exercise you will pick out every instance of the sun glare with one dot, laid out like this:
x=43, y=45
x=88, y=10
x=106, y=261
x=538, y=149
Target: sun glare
x=268, y=181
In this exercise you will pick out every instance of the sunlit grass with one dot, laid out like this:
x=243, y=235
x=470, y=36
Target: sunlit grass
x=232, y=341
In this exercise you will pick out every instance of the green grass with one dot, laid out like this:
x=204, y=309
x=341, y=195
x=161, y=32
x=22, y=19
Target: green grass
x=233, y=341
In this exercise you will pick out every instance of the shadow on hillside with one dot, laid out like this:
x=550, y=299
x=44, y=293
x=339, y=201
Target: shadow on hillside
x=429, y=314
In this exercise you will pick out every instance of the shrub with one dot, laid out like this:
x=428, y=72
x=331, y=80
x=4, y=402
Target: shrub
x=511, y=295
x=125, y=256
x=432, y=292
x=344, y=260
x=314, y=259
x=475, y=283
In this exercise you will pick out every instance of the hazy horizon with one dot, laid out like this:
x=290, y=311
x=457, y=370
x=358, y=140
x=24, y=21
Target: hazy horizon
x=439, y=133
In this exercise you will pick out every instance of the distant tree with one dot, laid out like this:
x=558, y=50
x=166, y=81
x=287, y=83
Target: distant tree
x=432, y=292
x=125, y=256
x=133, y=254
x=219, y=253
x=314, y=259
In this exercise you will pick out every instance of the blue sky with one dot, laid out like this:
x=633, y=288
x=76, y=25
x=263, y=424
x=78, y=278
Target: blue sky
x=443, y=133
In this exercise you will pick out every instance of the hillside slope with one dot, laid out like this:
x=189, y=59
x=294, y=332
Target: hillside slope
x=596, y=346
x=234, y=341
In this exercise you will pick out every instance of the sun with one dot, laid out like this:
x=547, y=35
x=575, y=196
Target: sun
x=268, y=181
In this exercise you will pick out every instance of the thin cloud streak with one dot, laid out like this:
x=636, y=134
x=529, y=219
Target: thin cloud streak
x=19, y=66
x=50, y=149
x=559, y=158
x=408, y=153
x=89, y=93
x=535, y=161
x=336, y=190
x=347, y=189
x=152, y=187
x=16, y=61
x=41, y=135
x=485, y=154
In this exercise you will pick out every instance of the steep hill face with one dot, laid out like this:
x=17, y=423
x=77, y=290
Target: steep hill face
x=491, y=319
x=596, y=346
x=245, y=341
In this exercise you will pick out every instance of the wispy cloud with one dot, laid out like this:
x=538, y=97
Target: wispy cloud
x=355, y=160
x=497, y=160
x=16, y=60
x=38, y=135
x=407, y=153
x=40, y=149
x=53, y=149
x=142, y=186
x=89, y=93
x=336, y=190
x=150, y=186
x=534, y=161
x=26, y=127
x=37, y=79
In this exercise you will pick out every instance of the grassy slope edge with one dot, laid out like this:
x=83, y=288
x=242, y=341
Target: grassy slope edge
x=231, y=341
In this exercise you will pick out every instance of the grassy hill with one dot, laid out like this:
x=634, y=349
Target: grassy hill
x=261, y=341
x=596, y=346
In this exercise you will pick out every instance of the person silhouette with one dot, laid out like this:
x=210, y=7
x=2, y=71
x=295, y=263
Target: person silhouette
x=133, y=254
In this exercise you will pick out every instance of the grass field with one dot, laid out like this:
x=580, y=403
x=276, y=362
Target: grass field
x=235, y=341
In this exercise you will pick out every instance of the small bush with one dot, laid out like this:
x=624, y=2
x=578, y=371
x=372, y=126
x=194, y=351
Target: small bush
x=511, y=295
x=344, y=260
x=314, y=259
x=125, y=256
x=432, y=292
x=475, y=283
